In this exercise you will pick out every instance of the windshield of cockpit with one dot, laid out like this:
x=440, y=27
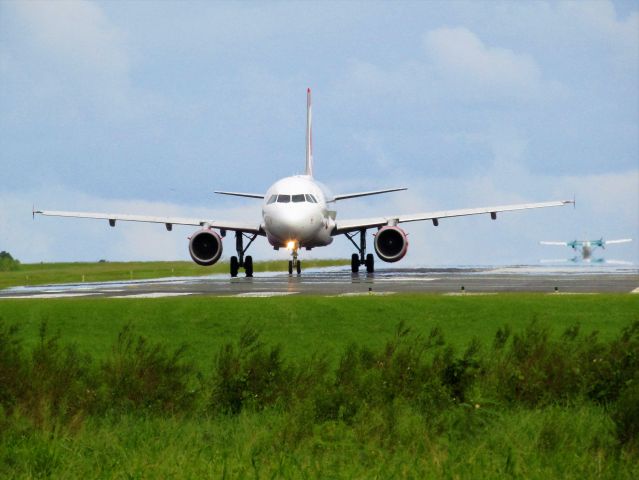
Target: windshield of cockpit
x=296, y=198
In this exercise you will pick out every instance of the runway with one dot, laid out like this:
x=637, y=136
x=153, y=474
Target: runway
x=339, y=281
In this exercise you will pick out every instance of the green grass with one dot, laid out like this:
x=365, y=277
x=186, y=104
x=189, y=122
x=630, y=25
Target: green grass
x=52, y=273
x=571, y=443
x=394, y=431
x=307, y=324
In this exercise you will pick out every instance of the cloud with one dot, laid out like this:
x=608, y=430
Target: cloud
x=602, y=20
x=460, y=56
x=76, y=33
x=68, y=62
x=456, y=66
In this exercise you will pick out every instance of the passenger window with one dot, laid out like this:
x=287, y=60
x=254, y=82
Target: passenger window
x=283, y=198
x=272, y=199
x=298, y=198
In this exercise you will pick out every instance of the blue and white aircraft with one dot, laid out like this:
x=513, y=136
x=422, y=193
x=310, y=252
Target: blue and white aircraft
x=586, y=249
x=297, y=212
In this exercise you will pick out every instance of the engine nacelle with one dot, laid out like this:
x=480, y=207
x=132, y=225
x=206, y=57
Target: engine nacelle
x=205, y=247
x=391, y=244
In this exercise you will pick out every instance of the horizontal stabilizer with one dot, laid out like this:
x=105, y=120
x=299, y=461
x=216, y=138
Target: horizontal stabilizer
x=240, y=194
x=365, y=194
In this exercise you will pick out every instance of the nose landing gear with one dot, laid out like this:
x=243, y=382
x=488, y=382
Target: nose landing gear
x=295, y=264
x=361, y=258
x=240, y=261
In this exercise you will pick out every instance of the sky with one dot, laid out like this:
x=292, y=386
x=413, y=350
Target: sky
x=148, y=107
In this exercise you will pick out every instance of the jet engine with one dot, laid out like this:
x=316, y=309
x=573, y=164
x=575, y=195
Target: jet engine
x=205, y=247
x=391, y=243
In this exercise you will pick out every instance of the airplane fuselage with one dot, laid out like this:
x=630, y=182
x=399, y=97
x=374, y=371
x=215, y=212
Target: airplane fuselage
x=295, y=210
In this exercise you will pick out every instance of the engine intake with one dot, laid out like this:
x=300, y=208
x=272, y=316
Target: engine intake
x=205, y=247
x=391, y=244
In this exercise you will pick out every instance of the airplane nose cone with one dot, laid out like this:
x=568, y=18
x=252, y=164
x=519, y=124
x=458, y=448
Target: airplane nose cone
x=295, y=224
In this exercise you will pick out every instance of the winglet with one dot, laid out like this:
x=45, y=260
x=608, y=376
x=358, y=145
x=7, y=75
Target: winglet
x=309, y=135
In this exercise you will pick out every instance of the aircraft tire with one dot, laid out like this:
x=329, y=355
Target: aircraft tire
x=370, y=263
x=235, y=266
x=299, y=267
x=248, y=266
x=290, y=267
x=354, y=263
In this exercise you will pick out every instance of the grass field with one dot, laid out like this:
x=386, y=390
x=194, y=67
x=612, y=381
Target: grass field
x=51, y=273
x=312, y=324
x=450, y=394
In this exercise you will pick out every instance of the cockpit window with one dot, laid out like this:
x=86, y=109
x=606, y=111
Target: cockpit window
x=298, y=198
x=272, y=199
x=283, y=198
x=311, y=198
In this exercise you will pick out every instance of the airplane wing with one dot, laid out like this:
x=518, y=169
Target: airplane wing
x=621, y=240
x=167, y=221
x=364, y=194
x=345, y=226
x=561, y=244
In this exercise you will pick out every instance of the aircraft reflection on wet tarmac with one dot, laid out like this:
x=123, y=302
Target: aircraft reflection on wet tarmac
x=340, y=281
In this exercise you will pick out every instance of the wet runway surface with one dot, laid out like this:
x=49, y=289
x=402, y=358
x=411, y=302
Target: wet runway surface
x=339, y=281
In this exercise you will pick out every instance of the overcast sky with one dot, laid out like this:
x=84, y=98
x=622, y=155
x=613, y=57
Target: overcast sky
x=147, y=107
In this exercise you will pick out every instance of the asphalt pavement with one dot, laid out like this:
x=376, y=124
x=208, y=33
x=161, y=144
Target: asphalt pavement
x=339, y=281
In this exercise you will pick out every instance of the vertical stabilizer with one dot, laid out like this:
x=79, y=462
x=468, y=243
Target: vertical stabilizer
x=309, y=135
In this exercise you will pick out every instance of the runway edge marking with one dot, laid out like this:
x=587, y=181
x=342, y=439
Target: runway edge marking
x=154, y=295
x=36, y=296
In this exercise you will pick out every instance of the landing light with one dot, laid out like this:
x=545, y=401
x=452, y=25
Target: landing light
x=290, y=245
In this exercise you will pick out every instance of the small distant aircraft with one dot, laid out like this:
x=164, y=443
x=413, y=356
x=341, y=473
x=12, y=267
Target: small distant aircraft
x=297, y=212
x=586, y=249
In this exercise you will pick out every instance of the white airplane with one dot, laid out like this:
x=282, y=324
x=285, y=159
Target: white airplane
x=586, y=249
x=297, y=212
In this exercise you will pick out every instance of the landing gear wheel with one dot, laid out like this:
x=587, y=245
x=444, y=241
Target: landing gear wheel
x=354, y=263
x=299, y=267
x=235, y=266
x=370, y=263
x=248, y=266
x=290, y=267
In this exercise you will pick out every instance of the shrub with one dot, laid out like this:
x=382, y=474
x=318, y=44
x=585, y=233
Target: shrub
x=537, y=369
x=611, y=367
x=141, y=376
x=625, y=414
x=12, y=367
x=60, y=381
x=8, y=263
x=248, y=374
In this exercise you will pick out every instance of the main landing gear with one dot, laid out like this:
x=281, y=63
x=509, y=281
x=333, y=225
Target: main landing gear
x=361, y=258
x=295, y=264
x=240, y=261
